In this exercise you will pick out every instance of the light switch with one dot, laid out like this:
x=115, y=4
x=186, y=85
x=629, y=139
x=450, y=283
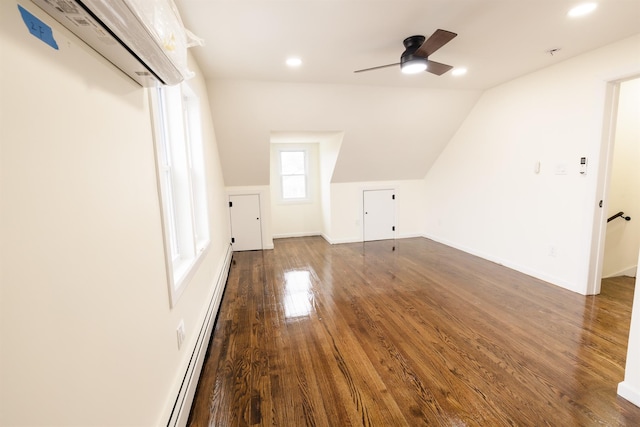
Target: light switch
x=583, y=165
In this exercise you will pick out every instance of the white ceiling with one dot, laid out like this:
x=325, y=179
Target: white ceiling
x=394, y=126
x=498, y=40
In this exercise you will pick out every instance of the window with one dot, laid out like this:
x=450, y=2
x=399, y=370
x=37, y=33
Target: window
x=182, y=184
x=293, y=175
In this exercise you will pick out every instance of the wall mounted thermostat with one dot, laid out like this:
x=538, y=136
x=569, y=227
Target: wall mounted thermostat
x=583, y=165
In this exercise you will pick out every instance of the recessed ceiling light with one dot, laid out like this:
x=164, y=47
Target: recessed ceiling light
x=459, y=71
x=582, y=9
x=294, y=62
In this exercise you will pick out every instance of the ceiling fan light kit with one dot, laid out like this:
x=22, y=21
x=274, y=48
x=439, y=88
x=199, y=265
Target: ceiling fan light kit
x=413, y=64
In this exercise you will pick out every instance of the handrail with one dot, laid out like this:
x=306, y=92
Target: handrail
x=619, y=215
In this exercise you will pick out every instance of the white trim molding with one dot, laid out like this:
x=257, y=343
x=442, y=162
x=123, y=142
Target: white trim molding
x=629, y=392
x=302, y=234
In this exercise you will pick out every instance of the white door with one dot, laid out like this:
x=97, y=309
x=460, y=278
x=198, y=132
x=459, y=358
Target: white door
x=246, y=227
x=379, y=218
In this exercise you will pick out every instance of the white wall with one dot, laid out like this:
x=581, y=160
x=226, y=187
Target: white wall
x=329, y=150
x=88, y=337
x=294, y=219
x=623, y=237
x=482, y=193
x=347, y=205
x=630, y=387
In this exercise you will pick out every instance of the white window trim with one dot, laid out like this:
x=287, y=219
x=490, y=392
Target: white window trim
x=197, y=172
x=301, y=200
x=184, y=246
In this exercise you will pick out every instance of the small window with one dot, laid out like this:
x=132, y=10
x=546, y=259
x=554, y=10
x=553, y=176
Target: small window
x=293, y=175
x=181, y=179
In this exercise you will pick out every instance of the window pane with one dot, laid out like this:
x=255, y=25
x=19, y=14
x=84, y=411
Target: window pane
x=197, y=170
x=292, y=162
x=294, y=187
x=171, y=214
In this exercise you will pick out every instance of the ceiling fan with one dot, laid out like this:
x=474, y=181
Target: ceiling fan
x=415, y=58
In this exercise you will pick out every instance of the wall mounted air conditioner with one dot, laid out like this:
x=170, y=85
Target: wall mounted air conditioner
x=145, y=39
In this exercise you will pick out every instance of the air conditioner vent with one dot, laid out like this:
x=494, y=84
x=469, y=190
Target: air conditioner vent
x=131, y=34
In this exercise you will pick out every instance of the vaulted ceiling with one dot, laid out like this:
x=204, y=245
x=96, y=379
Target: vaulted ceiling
x=394, y=125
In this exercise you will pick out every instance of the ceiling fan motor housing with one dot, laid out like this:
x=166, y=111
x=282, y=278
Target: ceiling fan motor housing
x=412, y=44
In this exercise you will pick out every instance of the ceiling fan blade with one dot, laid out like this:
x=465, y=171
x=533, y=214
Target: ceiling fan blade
x=437, y=68
x=377, y=68
x=438, y=39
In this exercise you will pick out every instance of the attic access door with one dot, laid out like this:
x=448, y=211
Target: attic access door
x=246, y=226
x=379, y=214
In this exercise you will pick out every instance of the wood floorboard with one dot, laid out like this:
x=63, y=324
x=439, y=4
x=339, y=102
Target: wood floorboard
x=409, y=333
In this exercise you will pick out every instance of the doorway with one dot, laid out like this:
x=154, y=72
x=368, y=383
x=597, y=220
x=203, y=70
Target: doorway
x=616, y=244
x=622, y=236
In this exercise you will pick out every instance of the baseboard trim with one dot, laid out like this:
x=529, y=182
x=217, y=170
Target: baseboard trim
x=342, y=241
x=529, y=272
x=409, y=236
x=338, y=241
x=182, y=406
x=303, y=234
x=631, y=272
x=629, y=392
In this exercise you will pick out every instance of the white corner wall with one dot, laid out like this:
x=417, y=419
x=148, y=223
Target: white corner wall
x=483, y=194
x=623, y=237
x=630, y=387
x=329, y=150
x=88, y=337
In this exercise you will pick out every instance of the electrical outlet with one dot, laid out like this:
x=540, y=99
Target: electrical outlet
x=553, y=251
x=180, y=333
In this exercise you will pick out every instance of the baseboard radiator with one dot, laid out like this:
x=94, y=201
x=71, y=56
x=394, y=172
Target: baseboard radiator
x=182, y=406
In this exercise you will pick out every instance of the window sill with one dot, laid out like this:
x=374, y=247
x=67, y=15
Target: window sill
x=183, y=272
x=304, y=201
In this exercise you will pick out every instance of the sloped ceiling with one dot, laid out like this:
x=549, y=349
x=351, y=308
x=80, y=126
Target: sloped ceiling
x=395, y=125
x=389, y=133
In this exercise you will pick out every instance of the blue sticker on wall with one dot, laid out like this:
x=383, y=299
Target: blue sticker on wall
x=38, y=28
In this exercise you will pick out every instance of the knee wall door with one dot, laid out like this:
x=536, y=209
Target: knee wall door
x=379, y=214
x=246, y=226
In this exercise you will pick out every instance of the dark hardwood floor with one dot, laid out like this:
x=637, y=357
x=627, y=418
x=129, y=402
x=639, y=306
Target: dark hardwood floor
x=409, y=333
